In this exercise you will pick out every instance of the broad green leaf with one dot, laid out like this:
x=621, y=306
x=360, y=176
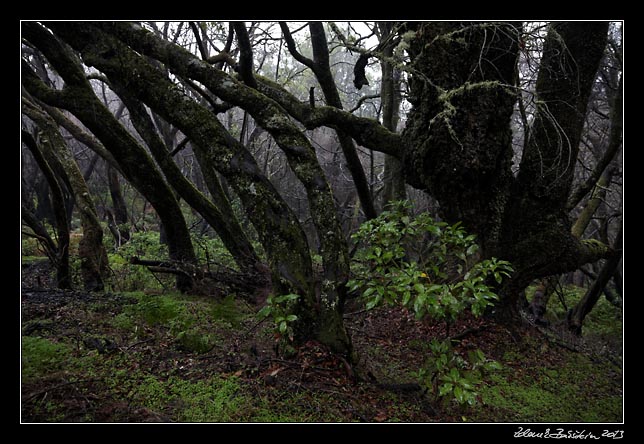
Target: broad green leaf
x=445, y=389
x=458, y=394
x=265, y=311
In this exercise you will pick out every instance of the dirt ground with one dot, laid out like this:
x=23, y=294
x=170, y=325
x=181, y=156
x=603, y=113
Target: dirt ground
x=107, y=366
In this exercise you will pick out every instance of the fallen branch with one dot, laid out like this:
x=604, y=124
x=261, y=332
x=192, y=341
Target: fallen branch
x=56, y=387
x=469, y=331
x=233, y=281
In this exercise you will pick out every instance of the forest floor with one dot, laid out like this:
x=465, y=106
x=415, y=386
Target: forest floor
x=167, y=357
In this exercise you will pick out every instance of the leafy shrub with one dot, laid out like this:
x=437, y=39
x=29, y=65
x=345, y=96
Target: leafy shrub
x=451, y=376
x=280, y=309
x=427, y=266
x=430, y=268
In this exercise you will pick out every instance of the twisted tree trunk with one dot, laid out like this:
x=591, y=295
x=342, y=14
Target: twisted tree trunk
x=458, y=141
x=90, y=249
x=79, y=98
x=319, y=311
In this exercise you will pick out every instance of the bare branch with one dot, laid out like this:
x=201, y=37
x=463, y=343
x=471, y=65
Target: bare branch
x=292, y=47
x=245, y=55
x=200, y=45
x=361, y=100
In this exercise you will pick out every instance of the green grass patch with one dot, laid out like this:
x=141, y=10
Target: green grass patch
x=193, y=321
x=212, y=400
x=571, y=392
x=41, y=357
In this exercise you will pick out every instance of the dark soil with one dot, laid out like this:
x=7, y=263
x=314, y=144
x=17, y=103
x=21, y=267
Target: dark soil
x=107, y=365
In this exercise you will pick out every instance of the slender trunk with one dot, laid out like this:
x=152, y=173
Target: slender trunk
x=394, y=181
x=90, y=250
x=44, y=209
x=79, y=98
x=597, y=197
x=322, y=72
x=585, y=305
x=59, y=254
x=119, y=220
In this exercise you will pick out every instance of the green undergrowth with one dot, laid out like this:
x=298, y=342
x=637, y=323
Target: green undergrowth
x=576, y=388
x=41, y=356
x=169, y=364
x=193, y=321
x=604, y=320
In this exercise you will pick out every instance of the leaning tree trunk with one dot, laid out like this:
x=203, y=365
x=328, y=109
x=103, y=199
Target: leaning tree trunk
x=79, y=98
x=459, y=141
x=91, y=251
x=58, y=253
x=319, y=309
x=585, y=305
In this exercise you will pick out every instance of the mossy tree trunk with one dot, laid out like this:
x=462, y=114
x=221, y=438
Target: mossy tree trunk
x=585, y=305
x=394, y=180
x=58, y=252
x=91, y=251
x=319, y=310
x=459, y=141
x=79, y=98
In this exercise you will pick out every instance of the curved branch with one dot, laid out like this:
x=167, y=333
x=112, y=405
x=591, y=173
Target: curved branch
x=613, y=147
x=245, y=55
x=200, y=45
x=292, y=47
x=361, y=100
x=367, y=132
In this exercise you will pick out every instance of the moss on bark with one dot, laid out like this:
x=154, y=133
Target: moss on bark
x=238, y=166
x=458, y=140
x=91, y=251
x=78, y=97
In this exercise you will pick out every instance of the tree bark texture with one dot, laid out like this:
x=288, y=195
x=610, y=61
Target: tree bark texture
x=79, y=98
x=59, y=253
x=91, y=251
x=280, y=232
x=458, y=140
